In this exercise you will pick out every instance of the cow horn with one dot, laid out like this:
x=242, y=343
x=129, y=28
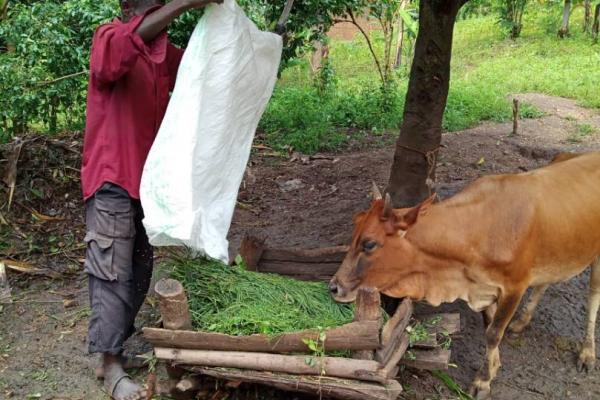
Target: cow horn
x=375, y=192
x=387, y=207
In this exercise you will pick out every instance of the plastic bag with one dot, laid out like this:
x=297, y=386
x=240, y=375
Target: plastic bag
x=196, y=165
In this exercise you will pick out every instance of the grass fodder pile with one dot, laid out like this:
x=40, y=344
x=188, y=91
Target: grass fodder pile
x=235, y=301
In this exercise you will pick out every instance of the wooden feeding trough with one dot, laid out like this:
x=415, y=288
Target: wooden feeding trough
x=285, y=361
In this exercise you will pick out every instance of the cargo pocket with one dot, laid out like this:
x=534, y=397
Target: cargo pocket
x=114, y=217
x=99, y=256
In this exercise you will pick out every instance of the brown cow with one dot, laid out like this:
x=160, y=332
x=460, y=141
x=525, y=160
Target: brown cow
x=486, y=245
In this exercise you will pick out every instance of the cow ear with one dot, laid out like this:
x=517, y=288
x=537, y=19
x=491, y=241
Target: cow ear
x=409, y=218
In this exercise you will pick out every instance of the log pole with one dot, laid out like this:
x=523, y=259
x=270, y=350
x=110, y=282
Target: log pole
x=173, y=304
x=321, y=387
x=367, y=308
x=364, y=370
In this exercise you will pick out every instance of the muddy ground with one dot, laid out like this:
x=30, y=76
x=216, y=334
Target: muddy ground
x=43, y=331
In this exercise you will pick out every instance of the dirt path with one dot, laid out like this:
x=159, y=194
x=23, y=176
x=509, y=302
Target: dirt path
x=310, y=204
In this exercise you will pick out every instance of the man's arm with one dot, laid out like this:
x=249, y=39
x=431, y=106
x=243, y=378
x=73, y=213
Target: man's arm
x=156, y=22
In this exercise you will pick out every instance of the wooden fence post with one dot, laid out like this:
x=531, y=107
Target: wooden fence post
x=515, y=130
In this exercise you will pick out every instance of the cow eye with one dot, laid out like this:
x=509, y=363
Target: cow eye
x=369, y=245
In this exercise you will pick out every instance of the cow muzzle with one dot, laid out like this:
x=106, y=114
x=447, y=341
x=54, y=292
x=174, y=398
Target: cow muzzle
x=340, y=293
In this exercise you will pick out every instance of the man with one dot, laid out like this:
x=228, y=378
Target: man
x=132, y=70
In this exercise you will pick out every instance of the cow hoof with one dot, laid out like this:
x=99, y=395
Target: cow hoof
x=480, y=393
x=586, y=363
x=517, y=327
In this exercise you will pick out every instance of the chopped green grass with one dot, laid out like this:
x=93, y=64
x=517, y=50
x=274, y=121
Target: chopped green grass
x=234, y=301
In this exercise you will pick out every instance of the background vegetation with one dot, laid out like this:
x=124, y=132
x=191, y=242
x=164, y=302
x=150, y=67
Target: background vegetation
x=44, y=50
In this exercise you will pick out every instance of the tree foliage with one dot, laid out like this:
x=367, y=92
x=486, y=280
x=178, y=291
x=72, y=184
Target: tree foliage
x=44, y=52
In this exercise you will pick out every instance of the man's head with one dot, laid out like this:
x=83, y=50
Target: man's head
x=131, y=8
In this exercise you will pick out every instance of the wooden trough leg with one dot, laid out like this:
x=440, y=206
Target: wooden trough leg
x=175, y=313
x=367, y=308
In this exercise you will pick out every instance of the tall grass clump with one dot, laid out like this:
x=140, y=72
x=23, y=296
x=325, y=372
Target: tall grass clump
x=234, y=301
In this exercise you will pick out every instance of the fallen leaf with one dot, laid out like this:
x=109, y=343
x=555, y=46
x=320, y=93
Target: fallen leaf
x=69, y=303
x=21, y=267
x=44, y=218
x=481, y=161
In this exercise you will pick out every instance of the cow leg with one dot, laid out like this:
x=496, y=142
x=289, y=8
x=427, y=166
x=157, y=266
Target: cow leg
x=507, y=304
x=587, y=356
x=488, y=315
x=519, y=324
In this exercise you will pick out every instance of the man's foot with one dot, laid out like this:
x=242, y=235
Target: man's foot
x=128, y=363
x=118, y=384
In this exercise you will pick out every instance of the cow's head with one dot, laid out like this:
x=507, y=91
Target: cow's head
x=379, y=256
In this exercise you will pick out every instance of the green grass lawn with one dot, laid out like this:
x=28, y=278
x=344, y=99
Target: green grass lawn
x=486, y=68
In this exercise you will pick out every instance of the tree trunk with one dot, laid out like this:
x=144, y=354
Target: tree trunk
x=421, y=130
x=587, y=19
x=400, y=41
x=564, y=29
x=596, y=25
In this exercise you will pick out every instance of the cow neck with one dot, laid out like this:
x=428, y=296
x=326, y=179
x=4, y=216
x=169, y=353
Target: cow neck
x=442, y=254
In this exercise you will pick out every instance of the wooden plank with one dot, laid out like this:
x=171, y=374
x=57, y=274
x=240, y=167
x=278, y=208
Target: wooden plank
x=363, y=335
x=322, y=386
x=390, y=369
x=447, y=323
x=251, y=250
x=300, y=270
x=339, y=367
x=316, y=256
x=402, y=315
x=393, y=332
x=430, y=342
x=367, y=308
x=427, y=359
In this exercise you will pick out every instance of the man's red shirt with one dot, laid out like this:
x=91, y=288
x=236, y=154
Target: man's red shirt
x=128, y=94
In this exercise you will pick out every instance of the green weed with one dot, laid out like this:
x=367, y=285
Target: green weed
x=583, y=131
x=452, y=385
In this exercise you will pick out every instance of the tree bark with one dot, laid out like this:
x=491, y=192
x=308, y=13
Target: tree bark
x=564, y=28
x=587, y=19
x=421, y=131
x=400, y=41
x=596, y=25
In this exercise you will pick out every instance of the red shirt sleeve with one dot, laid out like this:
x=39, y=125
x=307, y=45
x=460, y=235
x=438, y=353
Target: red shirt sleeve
x=116, y=47
x=174, y=56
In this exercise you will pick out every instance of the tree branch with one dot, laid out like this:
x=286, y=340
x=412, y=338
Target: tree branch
x=280, y=28
x=353, y=21
x=62, y=78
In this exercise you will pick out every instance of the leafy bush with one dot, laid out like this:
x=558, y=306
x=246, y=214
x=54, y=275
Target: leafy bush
x=44, y=52
x=311, y=121
x=47, y=40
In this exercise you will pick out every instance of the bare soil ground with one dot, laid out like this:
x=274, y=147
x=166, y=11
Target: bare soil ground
x=302, y=202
